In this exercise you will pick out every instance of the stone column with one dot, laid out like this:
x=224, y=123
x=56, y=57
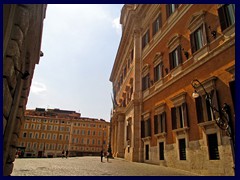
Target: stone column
x=137, y=143
x=120, y=136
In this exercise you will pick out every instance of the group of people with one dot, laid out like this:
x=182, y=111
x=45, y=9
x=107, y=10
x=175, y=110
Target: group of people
x=102, y=155
x=63, y=153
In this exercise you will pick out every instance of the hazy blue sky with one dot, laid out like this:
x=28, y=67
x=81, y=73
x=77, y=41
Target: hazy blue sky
x=79, y=43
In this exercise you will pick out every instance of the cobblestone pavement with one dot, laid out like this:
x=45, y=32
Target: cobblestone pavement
x=90, y=166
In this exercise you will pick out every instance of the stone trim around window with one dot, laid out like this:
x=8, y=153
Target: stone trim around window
x=160, y=108
x=174, y=42
x=196, y=21
x=179, y=99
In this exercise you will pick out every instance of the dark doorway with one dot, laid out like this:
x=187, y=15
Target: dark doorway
x=147, y=152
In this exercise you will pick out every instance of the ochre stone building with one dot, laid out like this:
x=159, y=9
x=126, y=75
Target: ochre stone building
x=22, y=34
x=46, y=133
x=155, y=119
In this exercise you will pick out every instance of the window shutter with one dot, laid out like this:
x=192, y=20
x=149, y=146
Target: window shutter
x=149, y=127
x=170, y=61
x=156, y=124
x=204, y=32
x=222, y=18
x=168, y=10
x=160, y=20
x=193, y=47
x=164, y=122
x=179, y=54
x=185, y=111
x=215, y=104
x=174, y=121
x=199, y=109
x=142, y=129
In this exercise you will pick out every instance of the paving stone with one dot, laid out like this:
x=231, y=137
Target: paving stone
x=90, y=166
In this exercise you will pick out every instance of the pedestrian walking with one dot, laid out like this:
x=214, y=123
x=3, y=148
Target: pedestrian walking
x=67, y=153
x=108, y=154
x=62, y=153
x=101, y=156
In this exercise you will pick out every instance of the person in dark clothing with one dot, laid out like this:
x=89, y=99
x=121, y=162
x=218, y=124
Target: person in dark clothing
x=101, y=156
x=108, y=154
x=66, y=153
x=62, y=153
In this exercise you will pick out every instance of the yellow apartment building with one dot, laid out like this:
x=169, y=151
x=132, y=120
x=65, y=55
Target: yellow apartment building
x=46, y=133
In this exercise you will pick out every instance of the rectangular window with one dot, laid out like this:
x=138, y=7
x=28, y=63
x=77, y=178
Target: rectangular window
x=182, y=149
x=179, y=116
x=175, y=57
x=160, y=123
x=197, y=39
x=171, y=8
x=145, y=82
x=203, y=107
x=226, y=16
x=145, y=39
x=213, y=147
x=158, y=72
x=161, y=151
x=157, y=24
x=147, y=127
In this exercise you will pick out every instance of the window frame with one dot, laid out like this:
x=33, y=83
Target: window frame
x=225, y=14
x=157, y=24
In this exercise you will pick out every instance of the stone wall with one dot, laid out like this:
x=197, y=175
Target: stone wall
x=22, y=41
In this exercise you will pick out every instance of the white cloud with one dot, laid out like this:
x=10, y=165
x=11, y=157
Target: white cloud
x=38, y=88
x=116, y=25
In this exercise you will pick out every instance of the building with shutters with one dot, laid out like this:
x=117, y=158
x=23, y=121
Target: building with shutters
x=46, y=133
x=155, y=118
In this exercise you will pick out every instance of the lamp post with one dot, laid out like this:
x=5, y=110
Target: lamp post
x=224, y=119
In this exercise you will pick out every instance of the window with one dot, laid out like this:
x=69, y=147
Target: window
x=157, y=24
x=36, y=135
x=146, y=128
x=145, y=39
x=182, y=149
x=26, y=126
x=179, y=116
x=171, y=8
x=158, y=72
x=198, y=39
x=43, y=127
x=161, y=151
x=204, y=111
x=226, y=16
x=24, y=135
x=129, y=130
x=175, y=57
x=160, y=123
x=30, y=135
x=49, y=128
x=145, y=82
x=213, y=147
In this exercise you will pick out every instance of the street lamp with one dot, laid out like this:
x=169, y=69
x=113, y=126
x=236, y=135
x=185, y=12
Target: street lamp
x=223, y=121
